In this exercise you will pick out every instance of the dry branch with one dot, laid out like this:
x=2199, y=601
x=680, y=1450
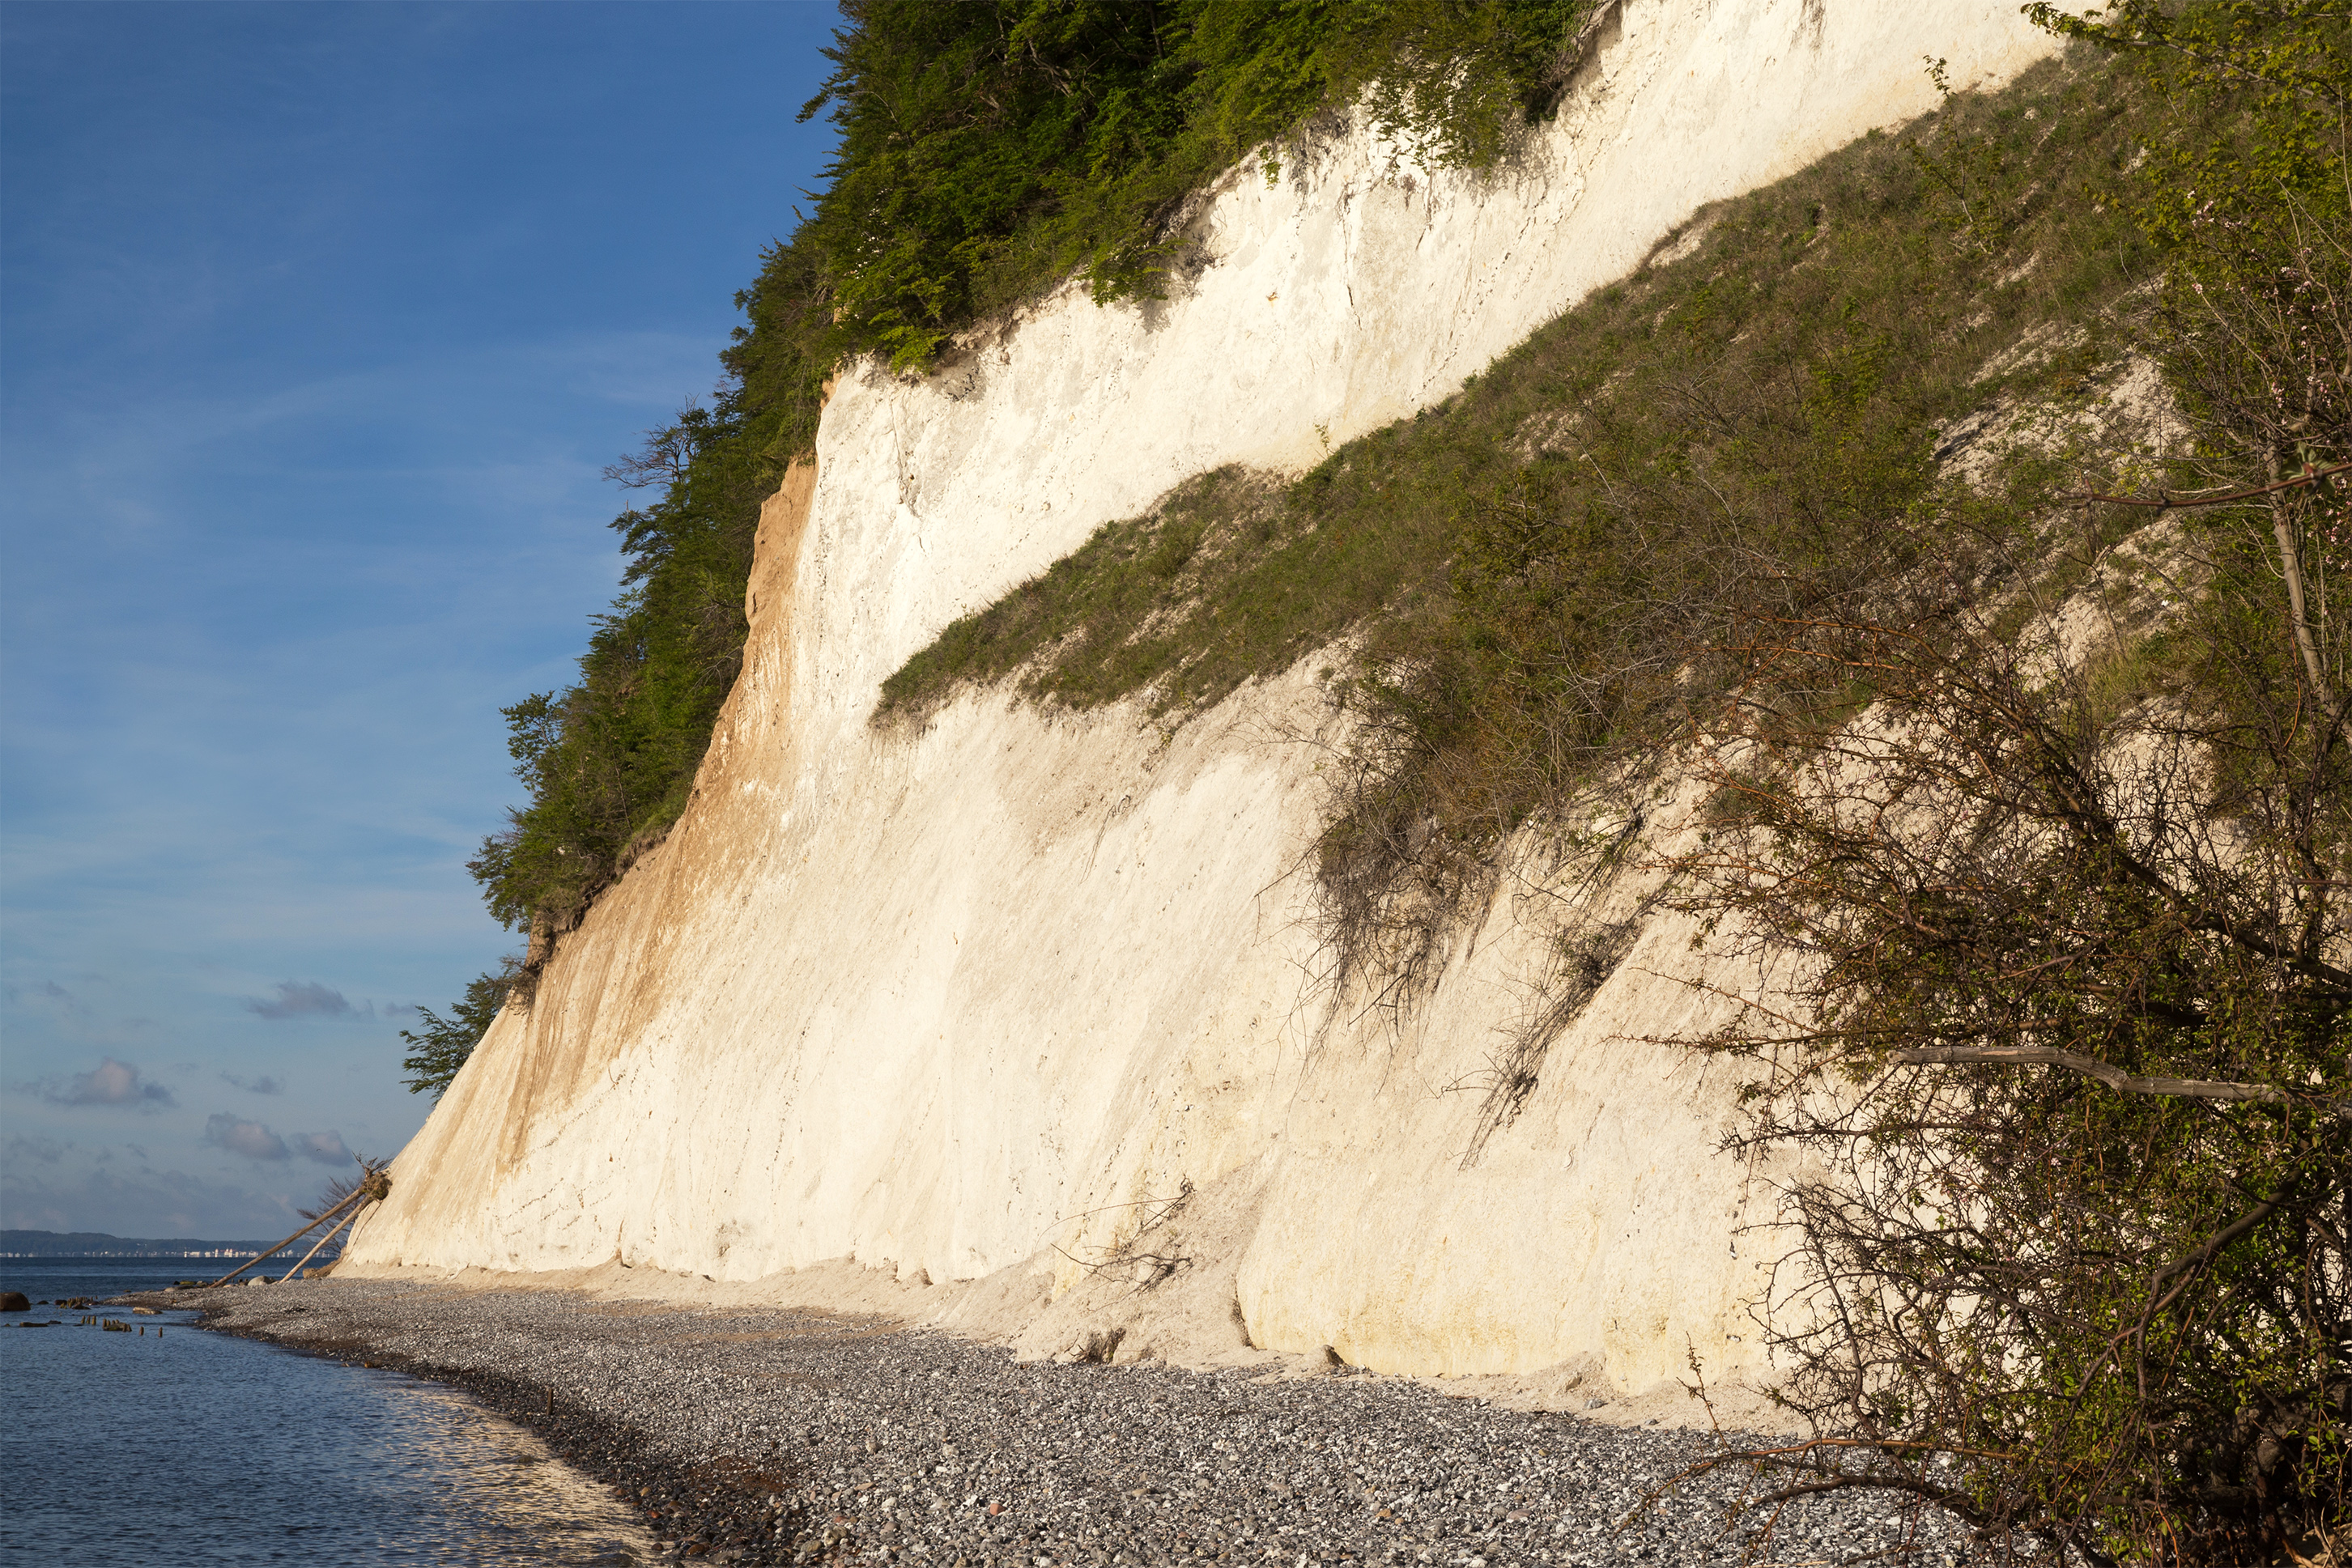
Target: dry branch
x=2112, y=1076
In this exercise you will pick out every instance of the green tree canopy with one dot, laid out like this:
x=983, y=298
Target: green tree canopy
x=987, y=150
x=442, y=1046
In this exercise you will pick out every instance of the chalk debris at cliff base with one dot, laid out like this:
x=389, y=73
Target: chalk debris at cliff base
x=766, y=1435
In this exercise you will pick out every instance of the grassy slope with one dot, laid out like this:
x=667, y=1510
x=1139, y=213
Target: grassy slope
x=987, y=150
x=1792, y=368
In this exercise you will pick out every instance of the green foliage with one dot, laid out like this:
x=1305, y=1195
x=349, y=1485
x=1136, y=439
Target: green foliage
x=1745, y=436
x=2256, y=219
x=2245, y=187
x=1126, y=611
x=442, y=1046
x=1536, y=564
x=990, y=150
x=2067, y=1081
x=612, y=756
x=2071, y=1058
x=987, y=151
x=1708, y=502
x=609, y=762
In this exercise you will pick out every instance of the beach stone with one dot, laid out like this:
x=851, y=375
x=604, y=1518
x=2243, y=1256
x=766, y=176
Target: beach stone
x=15, y=1301
x=782, y=1433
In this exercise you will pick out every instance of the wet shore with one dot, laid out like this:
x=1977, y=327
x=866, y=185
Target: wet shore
x=795, y=1436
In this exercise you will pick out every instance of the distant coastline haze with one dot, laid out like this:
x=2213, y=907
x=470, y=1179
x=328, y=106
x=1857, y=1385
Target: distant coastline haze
x=94, y=1244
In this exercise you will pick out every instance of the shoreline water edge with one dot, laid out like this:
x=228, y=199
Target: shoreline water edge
x=787, y=1436
x=132, y=1440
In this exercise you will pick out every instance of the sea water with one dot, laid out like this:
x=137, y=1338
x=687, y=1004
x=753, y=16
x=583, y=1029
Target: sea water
x=181, y=1447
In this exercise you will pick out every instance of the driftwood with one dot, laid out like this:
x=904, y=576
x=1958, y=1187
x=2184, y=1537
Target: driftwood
x=272, y=1251
x=332, y=1232
x=373, y=1185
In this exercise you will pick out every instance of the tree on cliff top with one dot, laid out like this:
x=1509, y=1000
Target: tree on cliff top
x=987, y=151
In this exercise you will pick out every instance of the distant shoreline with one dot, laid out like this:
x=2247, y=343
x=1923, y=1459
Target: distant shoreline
x=64, y=1246
x=227, y=1251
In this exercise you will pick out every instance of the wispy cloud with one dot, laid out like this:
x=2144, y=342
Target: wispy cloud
x=299, y=515
x=306, y=998
x=327, y=1148
x=50, y=997
x=110, y=1082
x=137, y=1199
x=263, y=1084
x=239, y=1136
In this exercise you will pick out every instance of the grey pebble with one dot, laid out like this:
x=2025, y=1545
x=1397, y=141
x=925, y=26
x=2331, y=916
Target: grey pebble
x=843, y=1439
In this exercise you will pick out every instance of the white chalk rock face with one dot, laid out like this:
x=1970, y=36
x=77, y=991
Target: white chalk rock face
x=946, y=1001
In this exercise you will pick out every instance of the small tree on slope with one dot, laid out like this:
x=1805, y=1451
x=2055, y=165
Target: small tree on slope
x=2061, y=1062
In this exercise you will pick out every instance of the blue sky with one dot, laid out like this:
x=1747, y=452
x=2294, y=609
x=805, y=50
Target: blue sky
x=318, y=322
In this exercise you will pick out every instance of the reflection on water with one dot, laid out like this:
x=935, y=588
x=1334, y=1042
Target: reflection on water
x=191, y=1448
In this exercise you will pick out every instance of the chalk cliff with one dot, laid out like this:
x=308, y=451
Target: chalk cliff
x=977, y=1003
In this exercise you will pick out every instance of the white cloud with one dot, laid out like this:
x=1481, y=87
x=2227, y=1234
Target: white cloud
x=327, y=1148
x=306, y=998
x=239, y=1136
x=110, y=1082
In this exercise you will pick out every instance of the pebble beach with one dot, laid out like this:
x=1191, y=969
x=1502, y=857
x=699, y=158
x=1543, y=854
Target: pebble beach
x=793, y=1436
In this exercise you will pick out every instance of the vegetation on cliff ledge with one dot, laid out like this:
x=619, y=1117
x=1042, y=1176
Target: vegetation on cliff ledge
x=437, y=1050
x=987, y=151
x=2065, y=1070
x=2022, y=703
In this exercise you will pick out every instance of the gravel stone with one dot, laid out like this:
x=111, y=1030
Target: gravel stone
x=790, y=1436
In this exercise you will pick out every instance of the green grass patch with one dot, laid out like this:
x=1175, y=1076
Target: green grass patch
x=1554, y=541
x=987, y=150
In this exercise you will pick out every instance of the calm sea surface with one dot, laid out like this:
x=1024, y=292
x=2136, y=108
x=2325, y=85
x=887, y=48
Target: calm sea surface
x=192, y=1448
